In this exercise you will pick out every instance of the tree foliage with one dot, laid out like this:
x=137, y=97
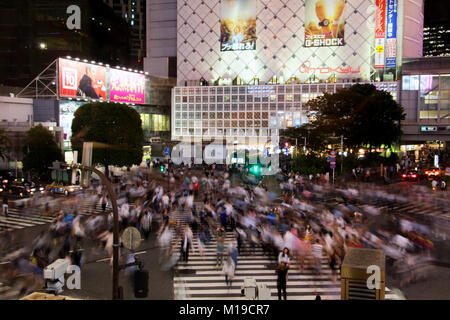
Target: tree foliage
x=115, y=129
x=40, y=151
x=361, y=113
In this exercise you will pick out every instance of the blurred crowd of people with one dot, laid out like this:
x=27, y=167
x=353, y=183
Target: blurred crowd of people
x=300, y=226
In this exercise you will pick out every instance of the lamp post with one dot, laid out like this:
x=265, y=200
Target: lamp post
x=342, y=152
x=116, y=244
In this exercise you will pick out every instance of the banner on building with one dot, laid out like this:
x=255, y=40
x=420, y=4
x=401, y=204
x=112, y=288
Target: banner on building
x=238, y=25
x=391, y=34
x=84, y=80
x=324, y=23
x=126, y=87
x=380, y=33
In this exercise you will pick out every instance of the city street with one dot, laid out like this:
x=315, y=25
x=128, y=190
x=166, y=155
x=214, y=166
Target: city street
x=200, y=278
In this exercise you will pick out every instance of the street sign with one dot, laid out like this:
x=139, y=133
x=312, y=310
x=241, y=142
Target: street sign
x=333, y=153
x=333, y=166
x=166, y=151
x=131, y=238
x=447, y=171
x=328, y=159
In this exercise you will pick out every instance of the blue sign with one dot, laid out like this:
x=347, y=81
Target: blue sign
x=333, y=159
x=166, y=151
x=333, y=166
x=328, y=159
x=391, y=34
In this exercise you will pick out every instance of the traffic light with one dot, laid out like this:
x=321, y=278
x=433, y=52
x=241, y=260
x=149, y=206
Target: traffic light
x=286, y=144
x=255, y=169
x=161, y=168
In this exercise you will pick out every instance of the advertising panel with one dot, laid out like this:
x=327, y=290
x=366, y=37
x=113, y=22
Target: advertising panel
x=238, y=25
x=79, y=79
x=324, y=23
x=126, y=87
x=380, y=33
x=391, y=34
x=66, y=114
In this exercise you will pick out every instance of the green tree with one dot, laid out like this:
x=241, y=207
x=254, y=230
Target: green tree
x=362, y=114
x=115, y=129
x=5, y=144
x=40, y=151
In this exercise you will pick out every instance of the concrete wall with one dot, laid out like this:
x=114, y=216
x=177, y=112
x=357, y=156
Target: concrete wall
x=16, y=109
x=161, y=36
x=410, y=26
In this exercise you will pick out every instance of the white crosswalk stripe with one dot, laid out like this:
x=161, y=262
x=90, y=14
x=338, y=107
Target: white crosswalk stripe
x=19, y=218
x=199, y=279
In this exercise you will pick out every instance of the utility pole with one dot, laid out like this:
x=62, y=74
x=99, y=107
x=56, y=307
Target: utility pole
x=116, y=243
x=342, y=152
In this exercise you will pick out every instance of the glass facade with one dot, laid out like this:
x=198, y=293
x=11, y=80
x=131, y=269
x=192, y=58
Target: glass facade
x=252, y=111
x=433, y=95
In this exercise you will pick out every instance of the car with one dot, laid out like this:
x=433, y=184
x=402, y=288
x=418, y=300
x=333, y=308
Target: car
x=61, y=188
x=21, y=188
x=410, y=175
x=432, y=173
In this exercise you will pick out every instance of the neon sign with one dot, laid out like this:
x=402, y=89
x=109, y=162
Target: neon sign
x=305, y=67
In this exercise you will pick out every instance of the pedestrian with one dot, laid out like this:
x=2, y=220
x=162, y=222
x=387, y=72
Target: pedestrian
x=228, y=269
x=316, y=250
x=220, y=246
x=282, y=270
x=146, y=222
x=5, y=206
x=103, y=202
x=186, y=244
x=318, y=297
x=232, y=250
x=284, y=257
x=196, y=187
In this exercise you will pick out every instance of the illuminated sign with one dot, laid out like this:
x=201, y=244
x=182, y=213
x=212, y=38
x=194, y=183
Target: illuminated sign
x=380, y=33
x=305, y=67
x=428, y=128
x=126, y=86
x=238, y=25
x=324, y=23
x=78, y=79
x=391, y=34
x=84, y=80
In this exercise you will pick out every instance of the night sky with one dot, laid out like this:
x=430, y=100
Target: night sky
x=437, y=10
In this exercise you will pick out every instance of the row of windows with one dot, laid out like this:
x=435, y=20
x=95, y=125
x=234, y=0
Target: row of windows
x=269, y=90
x=249, y=98
x=235, y=107
x=233, y=132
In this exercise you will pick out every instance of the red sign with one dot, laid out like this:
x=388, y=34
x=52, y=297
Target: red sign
x=78, y=79
x=380, y=23
x=305, y=67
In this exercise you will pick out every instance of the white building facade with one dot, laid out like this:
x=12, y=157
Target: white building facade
x=246, y=68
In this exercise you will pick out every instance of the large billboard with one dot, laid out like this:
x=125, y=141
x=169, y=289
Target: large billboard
x=391, y=34
x=324, y=23
x=78, y=79
x=380, y=33
x=85, y=80
x=126, y=86
x=238, y=25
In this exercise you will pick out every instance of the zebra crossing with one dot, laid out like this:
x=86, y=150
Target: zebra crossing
x=199, y=279
x=20, y=218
